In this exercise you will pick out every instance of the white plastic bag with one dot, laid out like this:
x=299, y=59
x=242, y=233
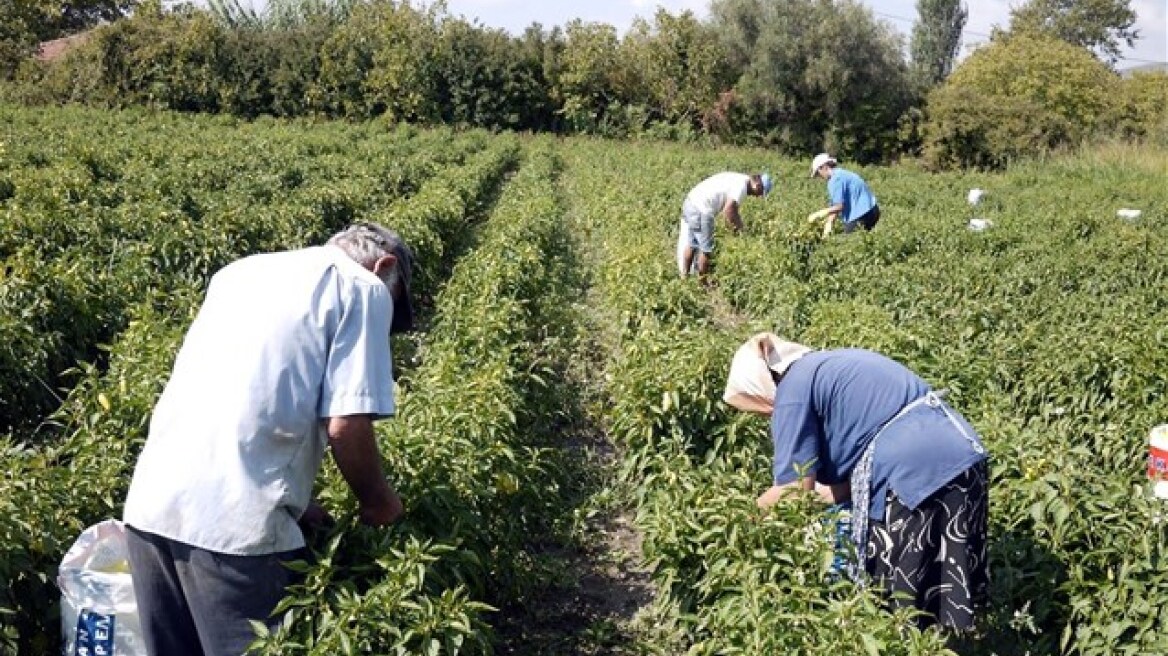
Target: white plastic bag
x=98, y=612
x=683, y=241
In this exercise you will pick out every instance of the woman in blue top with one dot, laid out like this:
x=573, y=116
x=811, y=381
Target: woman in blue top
x=852, y=423
x=851, y=199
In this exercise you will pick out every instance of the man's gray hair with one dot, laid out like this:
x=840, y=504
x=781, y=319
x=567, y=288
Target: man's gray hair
x=366, y=242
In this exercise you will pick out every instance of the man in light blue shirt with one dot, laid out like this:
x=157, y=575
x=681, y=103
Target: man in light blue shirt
x=851, y=199
x=288, y=358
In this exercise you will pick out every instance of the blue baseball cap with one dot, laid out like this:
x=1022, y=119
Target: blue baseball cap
x=767, y=183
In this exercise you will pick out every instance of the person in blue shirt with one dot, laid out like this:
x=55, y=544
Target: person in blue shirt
x=852, y=424
x=851, y=199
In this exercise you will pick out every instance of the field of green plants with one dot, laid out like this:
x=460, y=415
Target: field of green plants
x=553, y=324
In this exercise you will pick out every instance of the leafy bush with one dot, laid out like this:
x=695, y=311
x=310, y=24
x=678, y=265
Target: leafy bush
x=16, y=43
x=1144, y=107
x=1021, y=95
x=168, y=60
x=271, y=71
x=970, y=128
x=378, y=63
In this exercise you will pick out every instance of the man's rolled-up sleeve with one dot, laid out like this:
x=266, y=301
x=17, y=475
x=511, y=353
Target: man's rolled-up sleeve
x=836, y=191
x=358, y=377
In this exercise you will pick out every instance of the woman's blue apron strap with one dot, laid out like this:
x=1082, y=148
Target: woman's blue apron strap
x=861, y=481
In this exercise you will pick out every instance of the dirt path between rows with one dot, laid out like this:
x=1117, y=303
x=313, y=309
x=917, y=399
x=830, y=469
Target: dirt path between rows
x=599, y=600
x=599, y=588
x=593, y=606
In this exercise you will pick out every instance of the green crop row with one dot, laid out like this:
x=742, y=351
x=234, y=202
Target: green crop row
x=1045, y=330
x=52, y=490
x=87, y=229
x=469, y=452
x=103, y=179
x=730, y=579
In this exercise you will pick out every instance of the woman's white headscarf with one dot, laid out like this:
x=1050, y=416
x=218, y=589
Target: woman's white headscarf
x=751, y=387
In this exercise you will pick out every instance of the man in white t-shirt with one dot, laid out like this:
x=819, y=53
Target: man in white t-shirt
x=289, y=355
x=721, y=193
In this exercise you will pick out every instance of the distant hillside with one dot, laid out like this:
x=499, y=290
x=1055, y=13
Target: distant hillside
x=1160, y=67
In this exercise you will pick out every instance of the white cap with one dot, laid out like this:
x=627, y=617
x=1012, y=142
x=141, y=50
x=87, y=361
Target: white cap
x=975, y=196
x=820, y=160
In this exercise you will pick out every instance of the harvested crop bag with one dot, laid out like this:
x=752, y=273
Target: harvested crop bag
x=98, y=612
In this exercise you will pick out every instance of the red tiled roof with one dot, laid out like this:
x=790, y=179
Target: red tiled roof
x=55, y=49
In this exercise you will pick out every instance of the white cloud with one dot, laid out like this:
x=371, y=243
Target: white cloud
x=470, y=5
x=1153, y=27
x=648, y=7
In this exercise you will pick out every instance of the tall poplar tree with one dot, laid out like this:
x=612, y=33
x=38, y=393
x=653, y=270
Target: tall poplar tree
x=936, y=38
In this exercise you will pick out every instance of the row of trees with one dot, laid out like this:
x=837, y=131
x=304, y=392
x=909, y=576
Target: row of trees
x=799, y=75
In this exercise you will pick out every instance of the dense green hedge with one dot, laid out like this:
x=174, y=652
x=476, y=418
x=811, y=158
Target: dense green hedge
x=752, y=73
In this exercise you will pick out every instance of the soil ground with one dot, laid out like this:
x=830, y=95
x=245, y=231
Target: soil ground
x=591, y=604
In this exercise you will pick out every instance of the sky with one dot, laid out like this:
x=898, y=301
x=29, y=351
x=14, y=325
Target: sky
x=514, y=15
